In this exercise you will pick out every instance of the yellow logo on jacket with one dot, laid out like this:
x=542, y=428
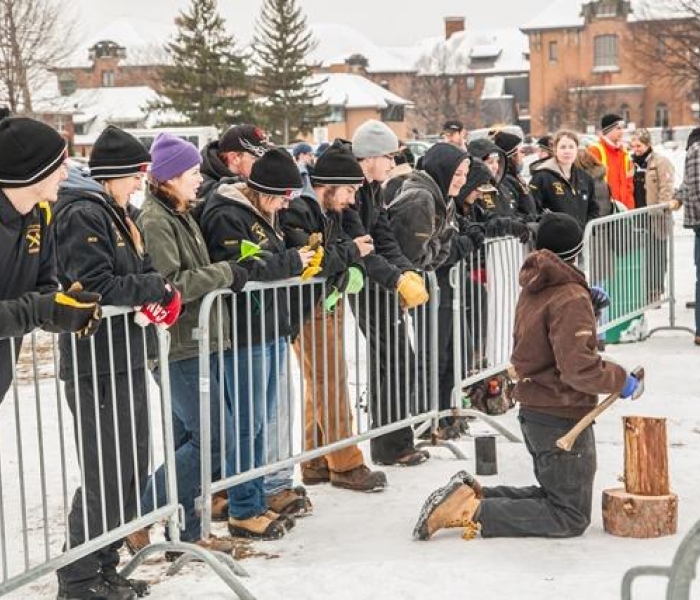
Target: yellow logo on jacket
x=258, y=230
x=559, y=188
x=33, y=237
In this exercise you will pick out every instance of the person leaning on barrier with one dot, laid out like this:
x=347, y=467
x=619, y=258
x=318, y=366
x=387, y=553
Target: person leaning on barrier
x=234, y=214
x=513, y=188
x=560, y=375
x=374, y=145
x=336, y=178
x=98, y=244
x=178, y=251
x=32, y=157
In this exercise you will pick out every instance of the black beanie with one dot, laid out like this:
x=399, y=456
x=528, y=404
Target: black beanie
x=560, y=233
x=479, y=176
x=337, y=166
x=275, y=174
x=117, y=153
x=545, y=143
x=29, y=151
x=610, y=121
x=508, y=142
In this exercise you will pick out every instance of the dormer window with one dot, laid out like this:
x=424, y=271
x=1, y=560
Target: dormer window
x=607, y=8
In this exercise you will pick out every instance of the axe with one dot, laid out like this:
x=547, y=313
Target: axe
x=567, y=441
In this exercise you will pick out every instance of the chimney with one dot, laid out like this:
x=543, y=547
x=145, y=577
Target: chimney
x=453, y=25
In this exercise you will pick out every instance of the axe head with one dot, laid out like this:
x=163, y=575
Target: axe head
x=638, y=372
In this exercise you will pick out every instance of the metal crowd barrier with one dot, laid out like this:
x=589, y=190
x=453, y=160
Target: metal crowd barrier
x=104, y=416
x=368, y=373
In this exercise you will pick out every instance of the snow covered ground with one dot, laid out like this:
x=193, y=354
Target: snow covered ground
x=358, y=546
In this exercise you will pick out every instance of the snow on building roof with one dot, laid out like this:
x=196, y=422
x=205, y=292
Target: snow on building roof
x=484, y=51
x=562, y=14
x=354, y=91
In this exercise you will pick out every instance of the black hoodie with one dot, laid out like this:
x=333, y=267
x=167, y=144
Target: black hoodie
x=213, y=170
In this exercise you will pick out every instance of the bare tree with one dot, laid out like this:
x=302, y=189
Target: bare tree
x=35, y=35
x=574, y=105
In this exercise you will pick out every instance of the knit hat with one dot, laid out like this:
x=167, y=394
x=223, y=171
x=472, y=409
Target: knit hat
x=30, y=151
x=337, y=166
x=244, y=138
x=545, y=143
x=508, y=142
x=172, y=156
x=322, y=147
x=302, y=148
x=275, y=174
x=453, y=125
x=374, y=138
x=609, y=122
x=560, y=233
x=116, y=154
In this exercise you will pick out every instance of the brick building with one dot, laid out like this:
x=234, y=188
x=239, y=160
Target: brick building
x=586, y=60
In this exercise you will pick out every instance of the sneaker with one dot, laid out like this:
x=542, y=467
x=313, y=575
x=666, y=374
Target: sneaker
x=98, y=589
x=453, y=505
x=315, y=472
x=359, y=479
x=137, y=541
x=260, y=527
x=289, y=502
x=139, y=586
x=219, y=507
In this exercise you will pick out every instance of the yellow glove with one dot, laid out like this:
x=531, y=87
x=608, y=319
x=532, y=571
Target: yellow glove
x=314, y=266
x=411, y=290
x=315, y=240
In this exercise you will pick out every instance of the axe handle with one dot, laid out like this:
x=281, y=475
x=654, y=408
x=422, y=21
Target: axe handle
x=566, y=442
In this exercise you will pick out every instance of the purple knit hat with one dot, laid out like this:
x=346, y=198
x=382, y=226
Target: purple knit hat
x=171, y=156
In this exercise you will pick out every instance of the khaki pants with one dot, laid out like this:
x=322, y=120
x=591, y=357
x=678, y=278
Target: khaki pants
x=325, y=385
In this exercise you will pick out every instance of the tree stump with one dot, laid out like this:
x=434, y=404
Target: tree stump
x=646, y=456
x=631, y=515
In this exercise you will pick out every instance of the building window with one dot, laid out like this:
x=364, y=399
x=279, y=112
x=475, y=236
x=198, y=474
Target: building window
x=607, y=8
x=393, y=113
x=336, y=114
x=626, y=113
x=606, y=53
x=471, y=82
x=107, y=78
x=552, y=52
x=661, y=115
x=60, y=124
x=66, y=84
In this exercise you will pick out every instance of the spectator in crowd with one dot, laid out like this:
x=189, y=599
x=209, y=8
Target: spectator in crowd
x=601, y=190
x=178, y=252
x=231, y=157
x=404, y=162
x=454, y=132
x=374, y=145
x=320, y=149
x=320, y=349
x=513, y=189
x=689, y=197
x=236, y=213
x=558, y=185
x=32, y=168
x=304, y=157
x=99, y=245
x=560, y=375
x=544, y=147
x=612, y=154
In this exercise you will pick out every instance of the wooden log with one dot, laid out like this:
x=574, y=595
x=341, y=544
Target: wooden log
x=646, y=456
x=630, y=515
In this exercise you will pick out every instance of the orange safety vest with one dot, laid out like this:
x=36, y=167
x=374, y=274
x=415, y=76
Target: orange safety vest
x=626, y=163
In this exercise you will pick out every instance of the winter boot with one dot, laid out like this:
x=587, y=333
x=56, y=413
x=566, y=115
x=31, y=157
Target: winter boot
x=453, y=505
x=315, y=472
x=261, y=527
x=212, y=543
x=287, y=521
x=289, y=502
x=359, y=479
x=138, y=540
x=219, y=506
x=115, y=580
x=410, y=458
x=96, y=589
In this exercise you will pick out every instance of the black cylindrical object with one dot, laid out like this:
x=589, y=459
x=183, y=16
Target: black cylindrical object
x=485, y=452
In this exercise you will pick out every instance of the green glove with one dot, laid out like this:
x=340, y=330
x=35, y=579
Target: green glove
x=332, y=299
x=252, y=251
x=356, y=281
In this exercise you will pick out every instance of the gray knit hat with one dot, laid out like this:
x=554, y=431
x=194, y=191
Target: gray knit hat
x=374, y=138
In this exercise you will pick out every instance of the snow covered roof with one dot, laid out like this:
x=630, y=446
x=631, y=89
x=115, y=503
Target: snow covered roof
x=490, y=51
x=354, y=91
x=562, y=14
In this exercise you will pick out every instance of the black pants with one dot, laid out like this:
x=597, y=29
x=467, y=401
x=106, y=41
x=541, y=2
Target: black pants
x=390, y=370
x=116, y=442
x=6, y=363
x=560, y=506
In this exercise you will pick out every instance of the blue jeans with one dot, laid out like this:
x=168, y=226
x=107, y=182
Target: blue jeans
x=697, y=280
x=184, y=388
x=260, y=380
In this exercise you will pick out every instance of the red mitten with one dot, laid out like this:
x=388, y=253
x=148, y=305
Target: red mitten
x=163, y=314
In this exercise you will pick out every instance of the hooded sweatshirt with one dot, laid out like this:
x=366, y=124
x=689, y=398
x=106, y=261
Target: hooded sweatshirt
x=555, y=354
x=213, y=170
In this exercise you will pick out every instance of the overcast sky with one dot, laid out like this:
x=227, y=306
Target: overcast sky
x=386, y=22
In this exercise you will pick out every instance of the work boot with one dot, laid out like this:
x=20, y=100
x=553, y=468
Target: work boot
x=359, y=479
x=260, y=527
x=97, y=589
x=453, y=505
x=213, y=543
x=315, y=472
x=287, y=521
x=139, y=586
x=410, y=458
x=138, y=540
x=289, y=502
x=219, y=506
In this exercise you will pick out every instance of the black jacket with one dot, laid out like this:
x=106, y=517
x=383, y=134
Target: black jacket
x=227, y=219
x=575, y=197
x=213, y=170
x=516, y=192
x=95, y=247
x=27, y=264
x=368, y=216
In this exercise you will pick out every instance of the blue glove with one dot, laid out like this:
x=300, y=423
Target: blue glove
x=631, y=384
x=600, y=298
